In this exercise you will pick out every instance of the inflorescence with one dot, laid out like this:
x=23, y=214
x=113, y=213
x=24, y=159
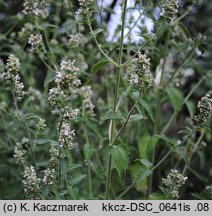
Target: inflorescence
x=141, y=76
x=12, y=77
x=172, y=183
x=170, y=10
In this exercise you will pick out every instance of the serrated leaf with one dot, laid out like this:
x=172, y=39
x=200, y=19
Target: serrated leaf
x=176, y=98
x=98, y=65
x=148, y=109
x=120, y=158
x=166, y=139
x=109, y=115
x=143, y=146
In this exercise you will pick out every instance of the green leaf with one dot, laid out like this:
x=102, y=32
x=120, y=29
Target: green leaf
x=120, y=158
x=143, y=146
x=109, y=115
x=74, y=166
x=77, y=178
x=97, y=31
x=49, y=78
x=166, y=139
x=185, y=130
x=146, y=145
x=191, y=108
x=148, y=109
x=98, y=65
x=176, y=98
x=146, y=162
x=136, y=117
x=94, y=126
x=181, y=151
x=88, y=151
x=199, y=176
x=184, y=30
x=41, y=141
x=143, y=176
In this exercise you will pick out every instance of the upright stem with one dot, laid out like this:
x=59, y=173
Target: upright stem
x=27, y=131
x=112, y=123
x=158, y=105
x=194, y=150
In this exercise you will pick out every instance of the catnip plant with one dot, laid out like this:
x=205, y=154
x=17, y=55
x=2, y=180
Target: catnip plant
x=88, y=112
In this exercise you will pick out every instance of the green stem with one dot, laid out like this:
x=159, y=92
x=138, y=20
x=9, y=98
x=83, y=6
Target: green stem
x=90, y=180
x=142, y=46
x=112, y=123
x=194, y=150
x=27, y=131
x=174, y=115
x=126, y=121
x=158, y=105
x=98, y=45
x=59, y=164
x=153, y=168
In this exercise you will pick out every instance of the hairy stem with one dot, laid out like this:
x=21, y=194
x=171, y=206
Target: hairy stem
x=158, y=105
x=115, y=99
x=27, y=131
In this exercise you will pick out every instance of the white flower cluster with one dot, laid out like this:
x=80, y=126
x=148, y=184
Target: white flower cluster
x=12, y=77
x=19, y=155
x=56, y=97
x=36, y=7
x=68, y=66
x=65, y=80
x=170, y=10
x=70, y=113
x=85, y=7
x=141, y=76
x=54, y=156
x=31, y=182
x=66, y=136
x=205, y=108
x=172, y=183
x=35, y=42
x=49, y=177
